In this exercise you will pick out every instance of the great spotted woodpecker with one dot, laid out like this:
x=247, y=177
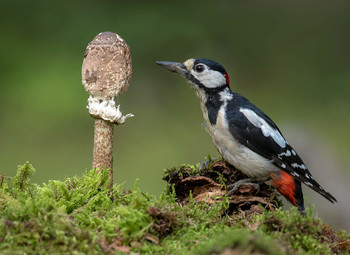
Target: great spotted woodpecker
x=244, y=135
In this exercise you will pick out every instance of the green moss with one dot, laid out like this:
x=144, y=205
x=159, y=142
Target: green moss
x=241, y=241
x=81, y=215
x=303, y=233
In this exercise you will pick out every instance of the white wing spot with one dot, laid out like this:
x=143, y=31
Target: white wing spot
x=309, y=184
x=285, y=153
x=295, y=174
x=296, y=165
x=294, y=153
x=266, y=129
x=283, y=165
x=307, y=176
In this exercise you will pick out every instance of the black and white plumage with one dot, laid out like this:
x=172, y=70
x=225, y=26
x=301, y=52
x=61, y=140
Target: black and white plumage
x=243, y=134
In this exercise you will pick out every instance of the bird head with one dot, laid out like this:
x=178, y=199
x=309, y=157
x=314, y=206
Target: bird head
x=202, y=74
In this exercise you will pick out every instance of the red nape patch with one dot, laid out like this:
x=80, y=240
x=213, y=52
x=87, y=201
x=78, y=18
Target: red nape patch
x=285, y=185
x=227, y=79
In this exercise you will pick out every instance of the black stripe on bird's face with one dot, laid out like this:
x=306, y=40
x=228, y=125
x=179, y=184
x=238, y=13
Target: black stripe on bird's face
x=211, y=64
x=207, y=75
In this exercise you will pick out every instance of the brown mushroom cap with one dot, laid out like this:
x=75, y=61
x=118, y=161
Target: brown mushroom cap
x=106, y=69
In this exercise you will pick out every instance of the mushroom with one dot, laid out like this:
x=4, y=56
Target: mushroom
x=106, y=72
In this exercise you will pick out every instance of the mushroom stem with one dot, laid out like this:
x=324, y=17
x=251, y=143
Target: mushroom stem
x=106, y=72
x=103, y=147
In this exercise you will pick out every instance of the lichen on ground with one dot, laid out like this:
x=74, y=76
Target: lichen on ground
x=81, y=215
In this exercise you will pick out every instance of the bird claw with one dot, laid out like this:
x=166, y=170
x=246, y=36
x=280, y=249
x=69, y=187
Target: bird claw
x=105, y=109
x=204, y=165
x=232, y=188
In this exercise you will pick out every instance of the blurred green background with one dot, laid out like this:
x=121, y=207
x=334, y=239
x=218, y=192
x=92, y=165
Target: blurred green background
x=291, y=58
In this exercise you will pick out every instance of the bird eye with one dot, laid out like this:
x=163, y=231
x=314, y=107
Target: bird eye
x=199, y=68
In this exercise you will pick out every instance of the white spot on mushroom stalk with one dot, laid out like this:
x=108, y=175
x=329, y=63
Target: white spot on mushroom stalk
x=105, y=109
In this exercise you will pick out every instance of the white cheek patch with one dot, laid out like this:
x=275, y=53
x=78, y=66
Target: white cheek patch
x=266, y=129
x=210, y=78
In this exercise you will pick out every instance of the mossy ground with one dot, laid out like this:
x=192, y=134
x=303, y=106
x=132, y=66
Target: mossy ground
x=81, y=215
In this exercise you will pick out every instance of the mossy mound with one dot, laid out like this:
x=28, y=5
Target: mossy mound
x=81, y=215
x=210, y=185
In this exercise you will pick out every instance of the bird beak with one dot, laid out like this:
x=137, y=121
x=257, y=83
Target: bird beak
x=174, y=67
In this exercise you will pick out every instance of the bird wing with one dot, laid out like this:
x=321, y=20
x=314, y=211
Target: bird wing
x=254, y=129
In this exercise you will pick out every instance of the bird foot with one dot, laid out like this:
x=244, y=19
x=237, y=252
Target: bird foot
x=232, y=188
x=205, y=165
x=301, y=210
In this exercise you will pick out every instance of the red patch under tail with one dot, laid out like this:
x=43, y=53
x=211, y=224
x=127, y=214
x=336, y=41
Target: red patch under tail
x=285, y=185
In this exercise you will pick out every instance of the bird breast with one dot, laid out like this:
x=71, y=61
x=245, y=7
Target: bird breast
x=235, y=153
